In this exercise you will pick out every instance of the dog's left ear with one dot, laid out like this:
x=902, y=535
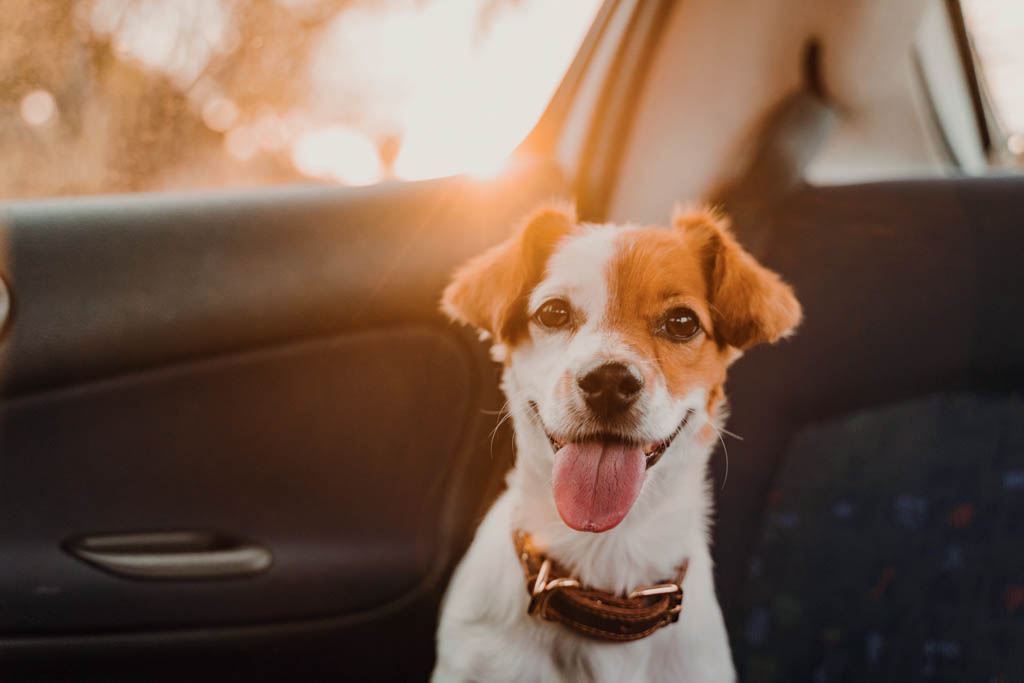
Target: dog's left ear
x=490, y=292
x=750, y=304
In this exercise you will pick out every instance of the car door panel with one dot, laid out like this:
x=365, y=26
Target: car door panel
x=105, y=285
x=294, y=448
x=266, y=366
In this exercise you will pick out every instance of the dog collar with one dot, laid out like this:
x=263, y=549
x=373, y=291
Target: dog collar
x=555, y=596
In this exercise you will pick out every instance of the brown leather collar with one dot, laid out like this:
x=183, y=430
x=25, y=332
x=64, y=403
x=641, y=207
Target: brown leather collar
x=555, y=596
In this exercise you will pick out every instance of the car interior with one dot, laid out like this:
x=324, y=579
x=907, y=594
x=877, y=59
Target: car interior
x=239, y=441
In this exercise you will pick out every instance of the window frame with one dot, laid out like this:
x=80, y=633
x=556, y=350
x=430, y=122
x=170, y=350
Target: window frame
x=990, y=132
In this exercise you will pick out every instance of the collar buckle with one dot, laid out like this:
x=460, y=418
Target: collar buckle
x=542, y=585
x=657, y=589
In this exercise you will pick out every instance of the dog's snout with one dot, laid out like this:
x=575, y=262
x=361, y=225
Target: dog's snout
x=610, y=389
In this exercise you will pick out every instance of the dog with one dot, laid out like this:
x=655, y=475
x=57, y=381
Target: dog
x=594, y=563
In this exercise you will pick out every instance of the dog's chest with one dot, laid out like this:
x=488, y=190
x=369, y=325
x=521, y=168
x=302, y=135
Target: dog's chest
x=650, y=659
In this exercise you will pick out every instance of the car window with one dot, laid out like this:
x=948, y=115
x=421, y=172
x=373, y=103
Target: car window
x=995, y=28
x=105, y=96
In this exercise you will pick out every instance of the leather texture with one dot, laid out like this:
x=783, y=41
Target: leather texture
x=556, y=596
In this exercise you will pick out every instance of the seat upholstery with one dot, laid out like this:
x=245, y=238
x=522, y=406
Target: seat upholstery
x=891, y=548
x=910, y=289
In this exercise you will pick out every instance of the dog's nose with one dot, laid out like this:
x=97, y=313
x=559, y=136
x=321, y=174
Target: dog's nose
x=610, y=388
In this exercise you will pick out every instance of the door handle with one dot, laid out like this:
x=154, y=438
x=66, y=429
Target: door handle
x=172, y=555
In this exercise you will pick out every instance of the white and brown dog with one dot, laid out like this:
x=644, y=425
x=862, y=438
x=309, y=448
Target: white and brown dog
x=615, y=342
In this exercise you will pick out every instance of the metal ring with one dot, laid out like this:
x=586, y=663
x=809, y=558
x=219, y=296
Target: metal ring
x=660, y=589
x=542, y=577
x=561, y=583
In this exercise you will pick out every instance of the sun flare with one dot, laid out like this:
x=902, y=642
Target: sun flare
x=458, y=97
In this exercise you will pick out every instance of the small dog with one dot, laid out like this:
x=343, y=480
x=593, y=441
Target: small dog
x=615, y=342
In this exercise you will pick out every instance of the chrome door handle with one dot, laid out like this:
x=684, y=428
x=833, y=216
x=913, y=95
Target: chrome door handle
x=171, y=555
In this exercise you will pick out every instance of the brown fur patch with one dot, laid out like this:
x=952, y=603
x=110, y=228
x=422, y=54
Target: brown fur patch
x=699, y=265
x=655, y=270
x=750, y=304
x=490, y=292
x=716, y=397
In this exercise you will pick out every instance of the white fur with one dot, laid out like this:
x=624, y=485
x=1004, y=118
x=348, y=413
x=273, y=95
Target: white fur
x=485, y=632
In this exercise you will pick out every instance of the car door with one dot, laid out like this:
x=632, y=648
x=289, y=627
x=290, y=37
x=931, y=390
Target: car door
x=237, y=437
x=240, y=417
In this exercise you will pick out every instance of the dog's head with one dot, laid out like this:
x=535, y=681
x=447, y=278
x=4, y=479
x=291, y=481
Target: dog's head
x=615, y=339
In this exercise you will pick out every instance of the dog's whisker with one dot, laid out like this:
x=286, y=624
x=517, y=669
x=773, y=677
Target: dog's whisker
x=506, y=415
x=500, y=411
x=734, y=435
x=725, y=450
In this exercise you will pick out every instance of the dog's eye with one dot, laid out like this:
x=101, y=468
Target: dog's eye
x=680, y=324
x=553, y=313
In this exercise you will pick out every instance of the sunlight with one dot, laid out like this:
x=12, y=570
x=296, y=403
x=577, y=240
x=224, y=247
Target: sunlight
x=38, y=107
x=996, y=27
x=338, y=153
x=459, y=100
x=177, y=37
x=251, y=92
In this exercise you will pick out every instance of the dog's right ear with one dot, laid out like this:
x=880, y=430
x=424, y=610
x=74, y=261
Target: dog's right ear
x=490, y=292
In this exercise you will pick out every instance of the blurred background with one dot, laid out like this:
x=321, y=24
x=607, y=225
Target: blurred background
x=101, y=96
x=106, y=96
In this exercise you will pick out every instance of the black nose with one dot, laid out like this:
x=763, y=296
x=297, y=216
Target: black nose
x=610, y=388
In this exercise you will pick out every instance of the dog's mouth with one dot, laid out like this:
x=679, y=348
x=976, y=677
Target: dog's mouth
x=598, y=475
x=652, y=450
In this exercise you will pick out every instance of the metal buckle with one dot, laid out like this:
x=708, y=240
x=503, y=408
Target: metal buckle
x=542, y=576
x=561, y=583
x=659, y=589
x=541, y=585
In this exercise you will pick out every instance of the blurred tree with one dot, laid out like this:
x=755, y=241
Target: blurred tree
x=128, y=95
x=114, y=124
x=120, y=124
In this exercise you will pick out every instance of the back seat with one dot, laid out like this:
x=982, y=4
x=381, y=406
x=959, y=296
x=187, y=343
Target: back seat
x=870, y=524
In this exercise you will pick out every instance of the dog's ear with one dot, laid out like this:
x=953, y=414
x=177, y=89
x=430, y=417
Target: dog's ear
x=490, y=292
x=749, y=304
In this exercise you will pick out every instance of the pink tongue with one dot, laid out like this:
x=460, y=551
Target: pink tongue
x=596, y=483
